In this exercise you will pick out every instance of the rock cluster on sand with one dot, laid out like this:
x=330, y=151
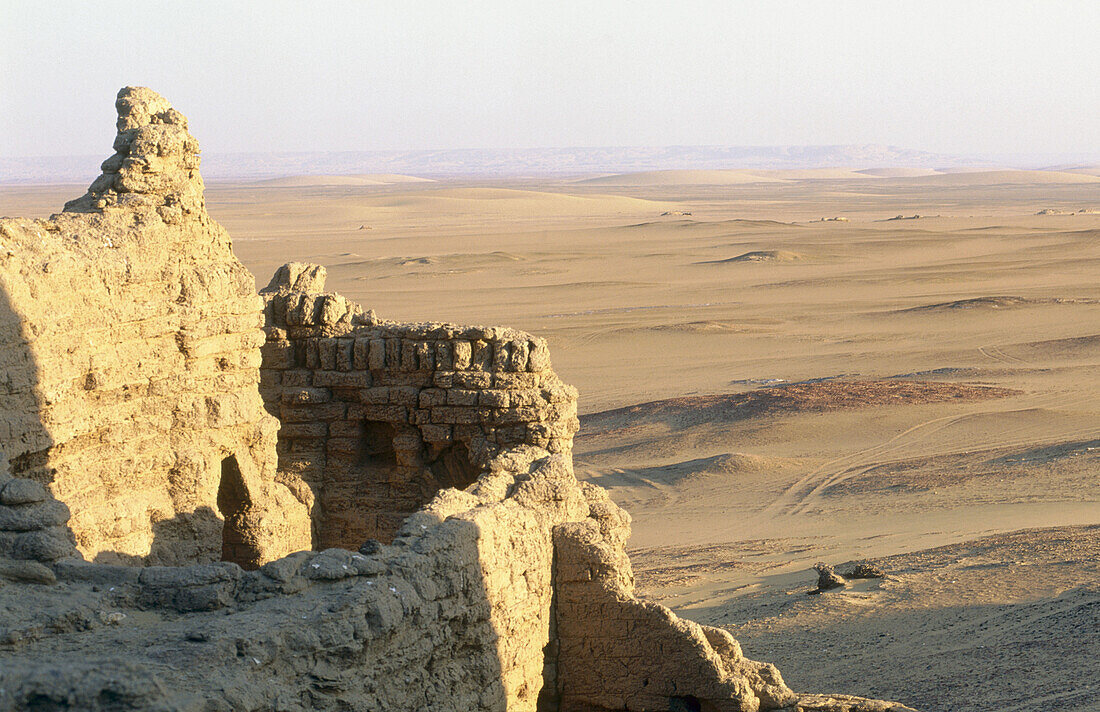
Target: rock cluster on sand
x=828, y=578
x=200, y=433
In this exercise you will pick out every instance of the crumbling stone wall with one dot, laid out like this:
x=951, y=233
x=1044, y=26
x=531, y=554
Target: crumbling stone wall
x=132, y=397
x=129, y=337
x=378, y=416
x=615, y=652
x=465, y=610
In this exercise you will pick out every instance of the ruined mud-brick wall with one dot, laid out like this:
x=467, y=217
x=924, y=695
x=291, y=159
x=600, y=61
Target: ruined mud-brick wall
x=129, y=348
x=130, y=341
x=378, y=416
x=461, y=613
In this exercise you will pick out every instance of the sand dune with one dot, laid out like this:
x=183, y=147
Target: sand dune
x=454, y=263
x=334, y=180
x=510, y=202
x=981, y=178
x=899, y=172
x=710, y=225
x=796, y=397
x=1001, y=302
x=728, y=177
x=814, y=174
x=1088, y=169
x=946, y=176
x=683, y=177
x=711, y=471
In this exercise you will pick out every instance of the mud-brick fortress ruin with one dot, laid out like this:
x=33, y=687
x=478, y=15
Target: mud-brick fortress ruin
x=217, y=500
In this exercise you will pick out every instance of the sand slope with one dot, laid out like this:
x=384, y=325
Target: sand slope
x=1006, y=622
x=350, y=180
x=682, y=177
x=509, y=202
x=899, y=172
x=982, y=178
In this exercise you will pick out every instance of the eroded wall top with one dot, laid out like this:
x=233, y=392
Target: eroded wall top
x=129, y=343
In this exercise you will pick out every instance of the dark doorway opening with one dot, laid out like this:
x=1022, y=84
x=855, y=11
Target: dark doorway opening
x=452, y=468
x=361, y=481
x=378, y=453
x=233, y=504
x=686, y=703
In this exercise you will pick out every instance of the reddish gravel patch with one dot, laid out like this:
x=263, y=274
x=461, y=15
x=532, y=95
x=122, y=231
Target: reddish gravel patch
x=794, y=398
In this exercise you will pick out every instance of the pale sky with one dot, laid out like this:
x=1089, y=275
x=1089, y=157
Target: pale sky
x=959, y=76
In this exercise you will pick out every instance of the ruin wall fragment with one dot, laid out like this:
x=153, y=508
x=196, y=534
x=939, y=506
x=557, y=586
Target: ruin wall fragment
x=157, y=411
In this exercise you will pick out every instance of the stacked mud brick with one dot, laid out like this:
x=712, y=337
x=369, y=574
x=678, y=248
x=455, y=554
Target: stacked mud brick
x=378, y=416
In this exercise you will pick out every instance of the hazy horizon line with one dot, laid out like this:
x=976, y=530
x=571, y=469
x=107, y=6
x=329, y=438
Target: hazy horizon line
x=548, y=160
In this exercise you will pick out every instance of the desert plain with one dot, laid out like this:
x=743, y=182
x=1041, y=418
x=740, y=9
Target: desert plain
x=777, y=368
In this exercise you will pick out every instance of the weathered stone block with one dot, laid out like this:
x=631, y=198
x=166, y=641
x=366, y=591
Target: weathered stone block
x=405, y=395
x=31, y=516
x=494, y=398
x=376, y=355
x=297, y=378
x=346, y=446
x=430, y=397
x=312, y=358
x=538, y=355
x=517, y=356
x=375, y=395
x=338, y=379
x=463, y=354
x=425, y=356
x=303, y=430
x=444, y=356
x=22, y=491
x=312, y=412
x=345, y=429
x=472, y=379
x=345, y=354
x=384, y=413
x=306, y=395
x=393, y=353
x=278, y=355
x=189, y=588
x=49, y=544
x=515, y=381
x=461, y=396
x=360, y=354
x=326, y=354
x=436, y=433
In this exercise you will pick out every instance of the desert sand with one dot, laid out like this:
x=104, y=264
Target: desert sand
x=763, y=389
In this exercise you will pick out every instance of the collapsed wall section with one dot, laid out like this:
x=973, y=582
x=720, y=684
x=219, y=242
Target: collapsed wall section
x=461, y=612
x=378, y=416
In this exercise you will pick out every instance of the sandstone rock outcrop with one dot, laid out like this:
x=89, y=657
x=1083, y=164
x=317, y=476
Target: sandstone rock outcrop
x=184, y=420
